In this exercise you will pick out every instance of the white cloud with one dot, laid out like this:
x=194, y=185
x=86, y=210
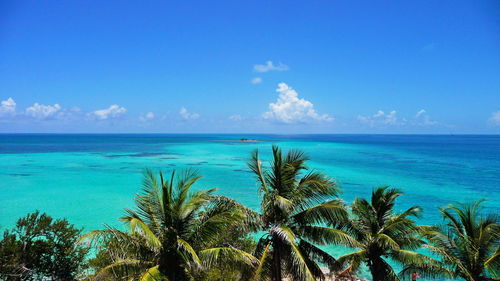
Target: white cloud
x=147, y=116
x=420, y=113
x=111, y=112
x=269, y=66
x=186, y=115
x=289, y=108
x=378, y=114
x=256, y=80
x=8, y=106
x=495, y=118
x=41, y=111
x=423, y=119
x=381, y=118
x=391, y=118
x=68, y=114
x=235, y=117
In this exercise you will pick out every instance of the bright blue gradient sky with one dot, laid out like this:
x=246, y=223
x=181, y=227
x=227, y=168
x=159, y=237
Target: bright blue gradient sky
x=193, y=66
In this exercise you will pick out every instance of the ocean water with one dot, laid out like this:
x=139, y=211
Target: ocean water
x=90, y=179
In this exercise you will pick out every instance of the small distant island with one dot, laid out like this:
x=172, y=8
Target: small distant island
x=249, y=140
x=239, y=140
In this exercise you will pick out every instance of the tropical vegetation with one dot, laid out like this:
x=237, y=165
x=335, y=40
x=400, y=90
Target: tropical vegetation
x=468, y=243
x=41, y=248
x=384, y=236
x=170, y=231
x=296, y=205
x=180, y=232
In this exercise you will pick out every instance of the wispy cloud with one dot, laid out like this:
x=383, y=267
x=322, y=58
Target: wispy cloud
x=420, y=113
x=289, y=108
x=41, y=111
x=256, y=80
x=385, y=119
x=269, y=66
x=112, y=111
x=235, y=117
x=186, y=115
x=381, y=118
x=495, y=118
x=146, y=117
x=423, y=119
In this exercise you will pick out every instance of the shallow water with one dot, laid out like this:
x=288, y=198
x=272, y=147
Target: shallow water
x=90, y=178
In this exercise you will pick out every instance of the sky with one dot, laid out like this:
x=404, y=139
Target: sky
x=409, y=67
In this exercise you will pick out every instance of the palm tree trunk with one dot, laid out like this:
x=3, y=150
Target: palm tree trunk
x=373, y=271
x=276, y=265
x=170, y=265
x=376, y=270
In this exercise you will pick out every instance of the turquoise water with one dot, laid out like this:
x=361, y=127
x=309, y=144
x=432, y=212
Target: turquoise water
x=90, y=178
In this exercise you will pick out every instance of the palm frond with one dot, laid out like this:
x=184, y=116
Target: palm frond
x=137, y=226
x=323, y=235
x=255, y=164
x=387, y=242
x=188, y=253
x=120, y=264
x=492, y=264
x=282, y=203
x=299, y=264
x=227, y=255
x=153, y=274
x=355, y=259
x=329, y=212
x=264, y=267
x=252, y=220
x=416, y=262
x=315, y=253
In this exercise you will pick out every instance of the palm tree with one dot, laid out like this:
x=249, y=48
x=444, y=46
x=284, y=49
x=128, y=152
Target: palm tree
x=296, y=206
x=468, y=243
x=167, y=232
x=383, y=235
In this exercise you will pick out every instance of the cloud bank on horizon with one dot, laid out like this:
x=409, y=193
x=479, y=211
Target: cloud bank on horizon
x=288, y=109
x=383, y=119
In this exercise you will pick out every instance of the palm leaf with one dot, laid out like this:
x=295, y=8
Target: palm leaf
x=153, y=274
x=354, y=259
x=227, y=255
x=263, y=268
x=326, y=235
x=188, y=253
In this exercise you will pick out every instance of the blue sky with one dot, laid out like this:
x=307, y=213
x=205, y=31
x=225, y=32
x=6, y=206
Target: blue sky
x=250, y=66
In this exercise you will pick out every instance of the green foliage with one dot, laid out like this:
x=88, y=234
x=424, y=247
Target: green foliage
x=296, y=206
x=171, y=233
x=468, y=243
x=382, y=235
x=234, y=237
x=41, y=248
x=178, y=234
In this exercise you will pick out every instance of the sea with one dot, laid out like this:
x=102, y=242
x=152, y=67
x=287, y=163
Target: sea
x=90, y=178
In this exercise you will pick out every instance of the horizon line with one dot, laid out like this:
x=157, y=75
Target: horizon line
x=276, y=134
